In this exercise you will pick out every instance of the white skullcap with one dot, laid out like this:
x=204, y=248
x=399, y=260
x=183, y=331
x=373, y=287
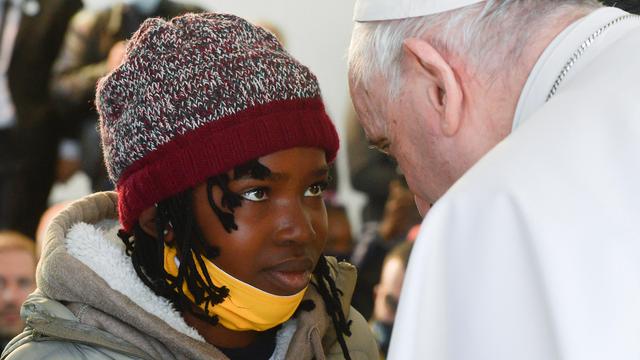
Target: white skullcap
x=375, y=10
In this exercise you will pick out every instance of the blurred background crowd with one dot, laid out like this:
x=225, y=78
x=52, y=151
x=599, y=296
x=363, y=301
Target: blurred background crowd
x=52, y=52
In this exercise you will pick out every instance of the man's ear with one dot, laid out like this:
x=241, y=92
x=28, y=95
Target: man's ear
x=147, y=221
x=444, y=91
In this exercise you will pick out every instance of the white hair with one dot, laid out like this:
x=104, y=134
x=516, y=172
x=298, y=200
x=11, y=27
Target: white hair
x=489, y=36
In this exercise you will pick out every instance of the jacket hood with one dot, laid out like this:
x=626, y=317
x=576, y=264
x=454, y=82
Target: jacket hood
x=84, y=265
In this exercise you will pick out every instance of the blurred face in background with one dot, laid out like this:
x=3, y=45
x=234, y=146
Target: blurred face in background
x=387, y=295
x=400, y=212
x=17, y=271
x=387, y=292
x=339, y=240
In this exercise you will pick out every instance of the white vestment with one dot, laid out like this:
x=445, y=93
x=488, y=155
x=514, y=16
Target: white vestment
x=534, y=254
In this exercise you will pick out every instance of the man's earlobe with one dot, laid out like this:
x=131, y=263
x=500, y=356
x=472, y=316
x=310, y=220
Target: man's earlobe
x=444, y=90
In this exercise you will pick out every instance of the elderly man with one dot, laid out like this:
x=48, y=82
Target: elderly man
x=17, y=272
x=520, y=122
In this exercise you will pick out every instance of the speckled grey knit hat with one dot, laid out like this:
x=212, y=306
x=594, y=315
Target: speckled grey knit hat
x=196, y=96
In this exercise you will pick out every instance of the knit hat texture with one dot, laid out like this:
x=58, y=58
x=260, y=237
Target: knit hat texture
x=196, y=96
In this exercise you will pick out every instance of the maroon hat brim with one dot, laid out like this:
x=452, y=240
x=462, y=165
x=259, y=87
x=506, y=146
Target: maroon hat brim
x=219, y=146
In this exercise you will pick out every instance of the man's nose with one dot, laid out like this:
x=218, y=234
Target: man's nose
x=9, y=293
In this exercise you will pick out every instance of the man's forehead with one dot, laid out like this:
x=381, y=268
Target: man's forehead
x=16, y=259
x=370, y=112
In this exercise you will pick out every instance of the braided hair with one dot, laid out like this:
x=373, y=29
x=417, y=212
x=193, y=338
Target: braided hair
x=147, y=254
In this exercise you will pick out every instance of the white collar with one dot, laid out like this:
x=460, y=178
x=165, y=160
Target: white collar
x=555, y=57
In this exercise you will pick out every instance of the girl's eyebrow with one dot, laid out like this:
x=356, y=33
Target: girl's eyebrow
x=321, y=171
x=277, y=176
x=251, y=170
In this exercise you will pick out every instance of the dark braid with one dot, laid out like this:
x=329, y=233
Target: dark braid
x=333, y=305
x=181, y=218
x=147, y=254
x=229, y=200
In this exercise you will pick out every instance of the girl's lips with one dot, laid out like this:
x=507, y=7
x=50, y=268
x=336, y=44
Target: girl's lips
x=291, y=276
x=291, y=282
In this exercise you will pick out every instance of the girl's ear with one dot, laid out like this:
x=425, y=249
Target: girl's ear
x=147, y=221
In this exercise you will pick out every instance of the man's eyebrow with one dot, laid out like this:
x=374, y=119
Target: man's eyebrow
x=375, y=143
x=379, y=144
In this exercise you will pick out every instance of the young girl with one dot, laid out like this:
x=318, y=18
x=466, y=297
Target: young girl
x=218, y=142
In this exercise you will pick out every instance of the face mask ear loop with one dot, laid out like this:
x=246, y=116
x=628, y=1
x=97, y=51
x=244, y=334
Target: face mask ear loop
x=167, y=229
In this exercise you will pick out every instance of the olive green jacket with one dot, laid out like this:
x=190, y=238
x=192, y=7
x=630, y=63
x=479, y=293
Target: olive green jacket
x=90, y=304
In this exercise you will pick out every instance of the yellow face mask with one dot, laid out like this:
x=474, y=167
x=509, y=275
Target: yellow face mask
x=246, y=307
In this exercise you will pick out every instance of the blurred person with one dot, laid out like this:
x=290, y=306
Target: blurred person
x=94, y=45
x=378, y=238
x=412, y=235
x=339, y=238
x=387, y=294
x=31, y=34
x=71, y=181
x=17, y=273
x=520, y=121
x=69, y=157
x=632, y=6
x=43, y=224
x=212, y=247
x=77, y=186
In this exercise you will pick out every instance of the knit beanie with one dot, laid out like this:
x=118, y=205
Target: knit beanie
x=196, y=96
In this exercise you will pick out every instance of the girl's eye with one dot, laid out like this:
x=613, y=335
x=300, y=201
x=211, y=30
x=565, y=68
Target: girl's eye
x=258, y=194
x=316, y=189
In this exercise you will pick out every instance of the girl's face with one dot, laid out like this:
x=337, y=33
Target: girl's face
x=282, y=222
